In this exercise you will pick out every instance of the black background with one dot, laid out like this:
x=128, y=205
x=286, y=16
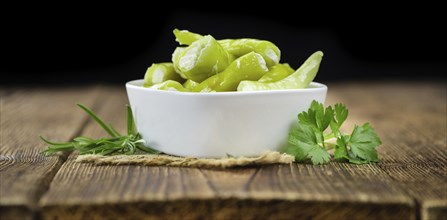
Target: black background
x=79, y=46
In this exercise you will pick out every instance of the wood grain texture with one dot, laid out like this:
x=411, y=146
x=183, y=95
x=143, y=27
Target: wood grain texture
x=408, y=183
x=411, y=120
x=25, y=114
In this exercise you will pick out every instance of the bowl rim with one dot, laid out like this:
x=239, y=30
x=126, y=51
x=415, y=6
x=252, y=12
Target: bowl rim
x=316, y=87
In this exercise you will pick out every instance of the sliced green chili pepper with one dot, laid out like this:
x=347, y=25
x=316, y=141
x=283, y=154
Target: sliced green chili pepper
x=277, y=72
x=248, y=67
x=301, y=78
x=202, y=59
x=189, y=84
x=209, y=65
x=237, y=47
x=175, y=59
x=170, y=85
x=184, y=37
x=160, y=72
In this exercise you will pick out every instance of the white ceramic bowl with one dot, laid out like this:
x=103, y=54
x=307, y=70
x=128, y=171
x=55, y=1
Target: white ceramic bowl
x=213, y=125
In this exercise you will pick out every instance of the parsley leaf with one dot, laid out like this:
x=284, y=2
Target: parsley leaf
x=363, y=143
x=341, y=152
x=310, y=140
x=316, y=116
x=319, y=155
x=305, y=144
x=341, y=113
x=303, y=140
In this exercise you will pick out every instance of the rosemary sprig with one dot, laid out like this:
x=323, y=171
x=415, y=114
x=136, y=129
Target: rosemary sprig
x=115, y=144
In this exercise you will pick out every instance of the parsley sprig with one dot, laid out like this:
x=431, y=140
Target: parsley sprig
x=115, y=144
x=310, y=140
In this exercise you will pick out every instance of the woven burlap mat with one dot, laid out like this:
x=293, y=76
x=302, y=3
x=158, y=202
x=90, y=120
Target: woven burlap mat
x=268, y=157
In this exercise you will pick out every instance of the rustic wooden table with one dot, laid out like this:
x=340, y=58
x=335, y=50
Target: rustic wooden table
x=410, y=181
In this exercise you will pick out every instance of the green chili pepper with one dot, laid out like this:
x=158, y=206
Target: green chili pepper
x=160, y=72
x=175, y=59
x=301, y=78
x=237, y=47
x=202, y=59
x=189, y=84
x=277, y=72
x=248, y=67
x=184, y=37
x=170, y=85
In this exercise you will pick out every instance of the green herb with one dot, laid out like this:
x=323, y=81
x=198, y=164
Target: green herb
x=310, y=140
x=116, y=144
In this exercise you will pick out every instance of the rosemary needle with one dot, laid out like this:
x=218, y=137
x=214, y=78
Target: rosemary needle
x=115, y=144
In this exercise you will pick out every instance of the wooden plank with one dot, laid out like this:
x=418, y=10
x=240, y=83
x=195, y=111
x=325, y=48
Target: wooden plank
x=25, y=114
x=411, y=120
x=83, y=191
x=334, y=191
x=78, y=189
